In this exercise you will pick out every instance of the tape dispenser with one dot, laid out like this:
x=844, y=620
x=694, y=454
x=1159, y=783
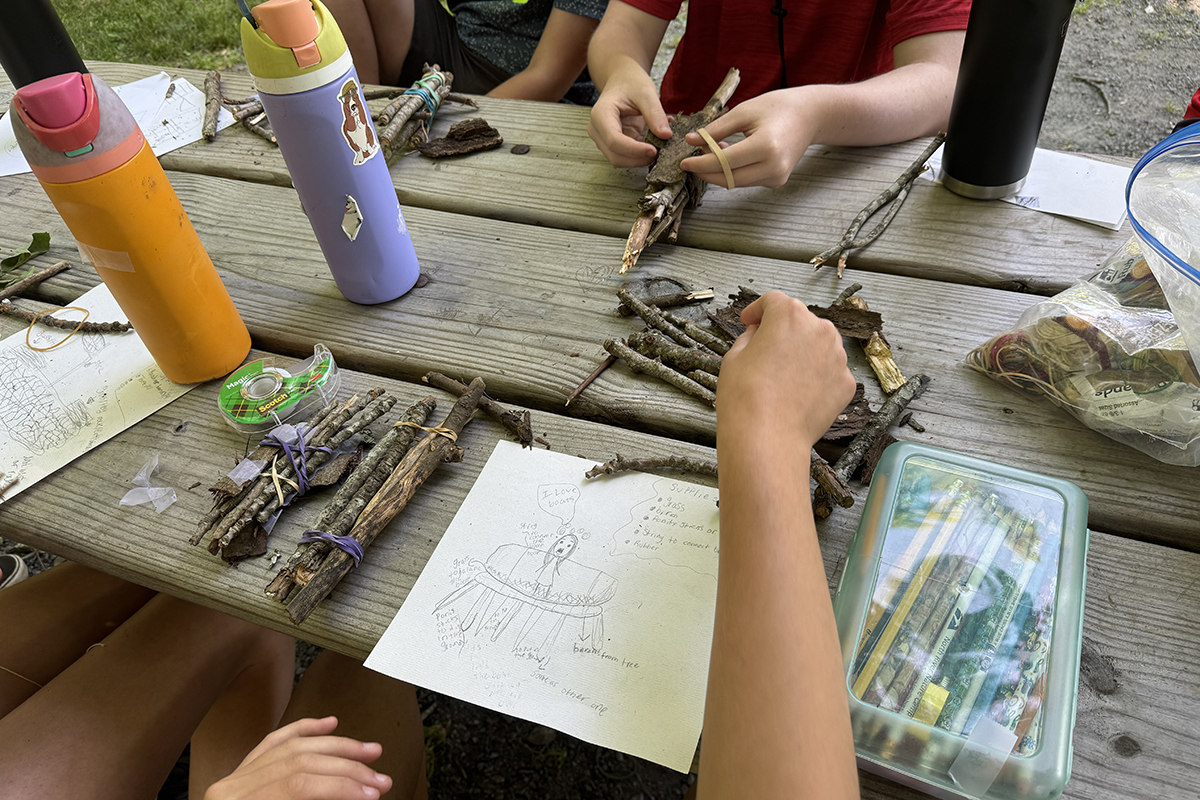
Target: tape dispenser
x=260, y=395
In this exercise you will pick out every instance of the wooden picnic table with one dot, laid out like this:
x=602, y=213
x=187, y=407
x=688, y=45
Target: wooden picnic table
x=522, y=254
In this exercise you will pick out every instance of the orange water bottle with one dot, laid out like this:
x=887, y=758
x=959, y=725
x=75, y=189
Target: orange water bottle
x=93, y=161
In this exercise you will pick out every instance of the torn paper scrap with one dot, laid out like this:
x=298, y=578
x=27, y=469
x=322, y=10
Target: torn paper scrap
x=586, y=606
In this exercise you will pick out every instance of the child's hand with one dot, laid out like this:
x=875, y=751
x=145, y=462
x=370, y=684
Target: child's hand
x=301, y=761
x=628, y=102
x=778, y=128
x=785, y=376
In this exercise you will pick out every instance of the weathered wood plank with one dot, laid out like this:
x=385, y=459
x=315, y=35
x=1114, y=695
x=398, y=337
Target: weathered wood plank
x=1143, y=601
x=527, y=308
x=564, y=182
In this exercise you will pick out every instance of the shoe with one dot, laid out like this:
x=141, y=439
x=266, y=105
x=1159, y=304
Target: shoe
x=12, y=570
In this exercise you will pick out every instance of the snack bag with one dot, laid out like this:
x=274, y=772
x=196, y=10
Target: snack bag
x=1110, y=352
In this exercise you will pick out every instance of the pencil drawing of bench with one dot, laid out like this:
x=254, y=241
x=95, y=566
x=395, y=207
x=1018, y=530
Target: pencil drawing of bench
x=546, y=585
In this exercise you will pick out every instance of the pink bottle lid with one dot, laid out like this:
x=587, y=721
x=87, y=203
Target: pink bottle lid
x=61, y=112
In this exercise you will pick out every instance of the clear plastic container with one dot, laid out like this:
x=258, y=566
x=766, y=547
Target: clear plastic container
x=960, y=614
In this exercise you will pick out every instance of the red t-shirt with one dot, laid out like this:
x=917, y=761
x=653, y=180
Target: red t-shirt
x=1193, y=109
x=825, y=41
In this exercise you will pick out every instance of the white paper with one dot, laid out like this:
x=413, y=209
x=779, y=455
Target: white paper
x=57, y=405
x=583, y=605
x=1066, y=185
x=168, y=123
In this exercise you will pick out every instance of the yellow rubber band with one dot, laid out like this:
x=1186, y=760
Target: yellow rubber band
x=449, y=434
x=22, y=677
x=33, y=322
x=716, y=151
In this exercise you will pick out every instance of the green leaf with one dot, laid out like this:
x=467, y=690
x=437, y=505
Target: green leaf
x=39, y=245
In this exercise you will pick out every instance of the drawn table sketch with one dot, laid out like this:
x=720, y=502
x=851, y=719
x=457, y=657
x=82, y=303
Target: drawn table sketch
x=583, y=605
x=168, y=122
x=57, y=405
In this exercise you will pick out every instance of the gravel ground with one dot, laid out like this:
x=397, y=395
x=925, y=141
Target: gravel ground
x=1126, y=75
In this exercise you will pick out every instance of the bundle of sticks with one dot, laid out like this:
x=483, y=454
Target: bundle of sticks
x=668, y=188
x=237, y=523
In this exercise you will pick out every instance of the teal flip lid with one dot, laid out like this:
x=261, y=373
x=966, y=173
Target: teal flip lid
x=960, y=614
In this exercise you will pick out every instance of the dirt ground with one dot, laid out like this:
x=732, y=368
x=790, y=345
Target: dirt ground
x=1126, y=75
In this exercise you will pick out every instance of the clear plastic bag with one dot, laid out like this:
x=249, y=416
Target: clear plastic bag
x=1163, y=197
x=1109, y=350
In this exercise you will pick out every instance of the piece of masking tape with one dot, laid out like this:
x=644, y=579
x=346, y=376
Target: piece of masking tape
x=982, y=757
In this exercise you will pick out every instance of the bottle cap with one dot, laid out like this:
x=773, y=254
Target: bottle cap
x=61, y=112
x=291, y=24
x=55, y=102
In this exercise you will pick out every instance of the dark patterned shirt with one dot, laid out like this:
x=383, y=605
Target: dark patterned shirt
x=506, y=32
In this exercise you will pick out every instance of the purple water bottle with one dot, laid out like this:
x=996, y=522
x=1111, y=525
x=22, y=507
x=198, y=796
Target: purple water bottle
x=310, y=91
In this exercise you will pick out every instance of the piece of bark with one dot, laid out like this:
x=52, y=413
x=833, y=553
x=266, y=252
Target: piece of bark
x=912, y=423
x=225, y=485
x=363, y=482
x=853, y=456
x=514, y=422
x=680, y=463
x=874, y=453
x=34, y=279
x=250, y=542
x=684, y=359
x=212, y=104
x=854, y=417
x=464, y=137
x=670, y=300
x=390, y=500
x=879, y=354
x=639, y=363
x=8, y=309
x=666, y=170
x=729, y=318
x=855, y=322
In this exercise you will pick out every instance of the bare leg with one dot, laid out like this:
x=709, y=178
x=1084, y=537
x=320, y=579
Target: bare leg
x=372, y=708
x=378, y=33
x=48, y=621
x=248, y=710
x=113, y=723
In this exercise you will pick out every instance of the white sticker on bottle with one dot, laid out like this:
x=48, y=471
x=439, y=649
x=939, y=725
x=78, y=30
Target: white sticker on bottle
x=352, y=219
x=106, y=259
x=357, y=129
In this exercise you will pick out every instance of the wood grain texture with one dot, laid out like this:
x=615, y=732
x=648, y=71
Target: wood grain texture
x=527, y=309
x=1140, y=626
x=564, y=182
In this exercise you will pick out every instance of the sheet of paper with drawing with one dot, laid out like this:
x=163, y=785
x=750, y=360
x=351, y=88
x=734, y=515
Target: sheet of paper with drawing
x=57, y=405
x=583, y=605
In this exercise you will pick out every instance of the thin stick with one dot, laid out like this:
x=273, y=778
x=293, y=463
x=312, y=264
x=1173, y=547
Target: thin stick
x=639, y=363
x=685, y=359
x=212, y=104
x=655, y=319
x=596, y=373
x=251, y=124
x=671, y=300
x=514, y=422
x=249, y=109
x=34, y=279
x=682, y=463
x=705, y=379
x=709, y=340
x=7, y=308
x=906, y=178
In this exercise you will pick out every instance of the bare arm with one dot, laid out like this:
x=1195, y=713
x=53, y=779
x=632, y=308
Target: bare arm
x=912, y=100
x=560, y=56
x=776, y=719
x=619, y=60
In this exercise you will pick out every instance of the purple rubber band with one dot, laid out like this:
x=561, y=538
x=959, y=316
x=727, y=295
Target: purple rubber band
x=347, y=544
x=291, y=451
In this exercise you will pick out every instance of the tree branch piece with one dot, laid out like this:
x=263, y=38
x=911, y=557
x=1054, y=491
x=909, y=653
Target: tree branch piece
x=34, y=279
x=892, y=192
x=709, y=340
x=682, y=463
x=671, y=300
x=879, y=354
x=654, y=318
x=514, y=422
x=639, y=363
x=7, y=308
x=212, y=104
x=684, y=359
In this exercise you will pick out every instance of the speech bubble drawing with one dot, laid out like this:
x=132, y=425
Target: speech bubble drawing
x=558, y=500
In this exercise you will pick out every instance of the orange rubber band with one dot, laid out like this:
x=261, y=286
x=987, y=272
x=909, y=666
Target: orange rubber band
x=716, y=151
x=33, y=322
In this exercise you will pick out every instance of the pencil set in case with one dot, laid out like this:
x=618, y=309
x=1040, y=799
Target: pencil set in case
x=960, y=614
